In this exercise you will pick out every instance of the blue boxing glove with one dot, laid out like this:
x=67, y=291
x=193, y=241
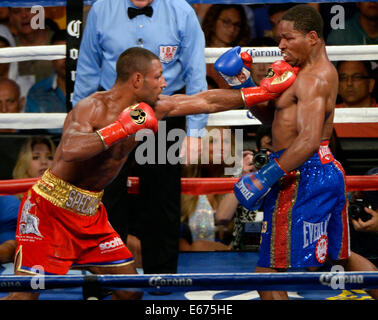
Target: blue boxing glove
x=252, y=187
x=235, y=68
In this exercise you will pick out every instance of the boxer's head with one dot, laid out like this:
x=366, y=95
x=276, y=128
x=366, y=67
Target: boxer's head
x=305, y=18
x=143, y=71
x=300, y=29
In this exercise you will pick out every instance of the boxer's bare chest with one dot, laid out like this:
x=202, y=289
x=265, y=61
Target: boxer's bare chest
x=284, y=126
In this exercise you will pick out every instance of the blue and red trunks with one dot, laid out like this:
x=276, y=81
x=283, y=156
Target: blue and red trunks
x=305, y=218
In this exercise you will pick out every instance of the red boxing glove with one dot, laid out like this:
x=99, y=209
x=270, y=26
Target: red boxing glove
x=279, y=77
x=129, y=122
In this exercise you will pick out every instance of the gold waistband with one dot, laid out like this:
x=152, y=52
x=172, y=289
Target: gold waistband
x=67, y=196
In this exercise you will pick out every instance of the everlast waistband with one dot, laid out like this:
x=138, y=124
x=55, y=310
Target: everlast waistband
x=67, y=196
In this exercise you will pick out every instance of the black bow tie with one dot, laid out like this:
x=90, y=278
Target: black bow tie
x=132, y=12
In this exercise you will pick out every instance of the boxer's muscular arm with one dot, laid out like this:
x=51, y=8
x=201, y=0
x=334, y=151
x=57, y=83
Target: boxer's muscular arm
x=79, y=139
x=209, y=102
x=204, y=102
x=312, y=93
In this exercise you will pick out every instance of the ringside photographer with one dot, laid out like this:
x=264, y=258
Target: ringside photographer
x=363, y=216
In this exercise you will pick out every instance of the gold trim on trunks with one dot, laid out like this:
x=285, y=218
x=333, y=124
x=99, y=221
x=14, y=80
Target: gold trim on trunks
x=67, y=196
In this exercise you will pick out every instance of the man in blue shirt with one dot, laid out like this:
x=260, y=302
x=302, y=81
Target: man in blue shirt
x=46, y=96
x=49, y=95
x=170, y=29
x=9, y=206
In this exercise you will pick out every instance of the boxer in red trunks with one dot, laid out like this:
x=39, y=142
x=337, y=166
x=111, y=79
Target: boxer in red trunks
x=62, y=222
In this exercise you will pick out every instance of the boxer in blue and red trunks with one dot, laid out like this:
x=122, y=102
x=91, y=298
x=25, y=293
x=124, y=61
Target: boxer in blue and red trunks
x=302, y=186
x=295, y=237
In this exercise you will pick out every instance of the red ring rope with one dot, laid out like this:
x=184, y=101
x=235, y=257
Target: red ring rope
x=194, y=186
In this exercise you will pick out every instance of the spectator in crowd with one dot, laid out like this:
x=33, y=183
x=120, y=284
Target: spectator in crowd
x=364, y=230
x=264, y=138
x=229, y=208
x=224, y=26
x=7, y=40
x=49, y=94
x=356, y=85
x=367, y=226
x=10, y=101
x=4, y=15
x=10, y=69
x=35, y=157
x=171, y=30
x=4, y=67
x=361, y=29
x=275, y=13
x=5, y=19
x=9, y=206
x=199, y=232
x=29, y=35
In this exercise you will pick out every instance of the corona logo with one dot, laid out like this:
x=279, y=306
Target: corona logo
x=158, y=281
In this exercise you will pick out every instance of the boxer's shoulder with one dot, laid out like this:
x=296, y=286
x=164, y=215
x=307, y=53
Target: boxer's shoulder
x=92, y=105
x=308, y=82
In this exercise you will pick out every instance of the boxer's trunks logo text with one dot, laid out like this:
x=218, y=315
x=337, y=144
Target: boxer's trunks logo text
x=325, y=154
x=81, y=202
x=116, y=242
x=313, y=231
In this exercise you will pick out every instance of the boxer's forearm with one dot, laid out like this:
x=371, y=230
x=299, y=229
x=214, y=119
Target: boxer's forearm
x=81, y=146
x=222, y=100
x=210, y=101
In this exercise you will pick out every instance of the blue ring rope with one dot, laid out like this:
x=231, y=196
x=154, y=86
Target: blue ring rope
x=206, y=281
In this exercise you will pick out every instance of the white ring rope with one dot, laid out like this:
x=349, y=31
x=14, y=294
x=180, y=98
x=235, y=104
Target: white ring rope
x=226, y=118
x=260, y=54
x=229, y=118
x=12, y=54
x=271, y=54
